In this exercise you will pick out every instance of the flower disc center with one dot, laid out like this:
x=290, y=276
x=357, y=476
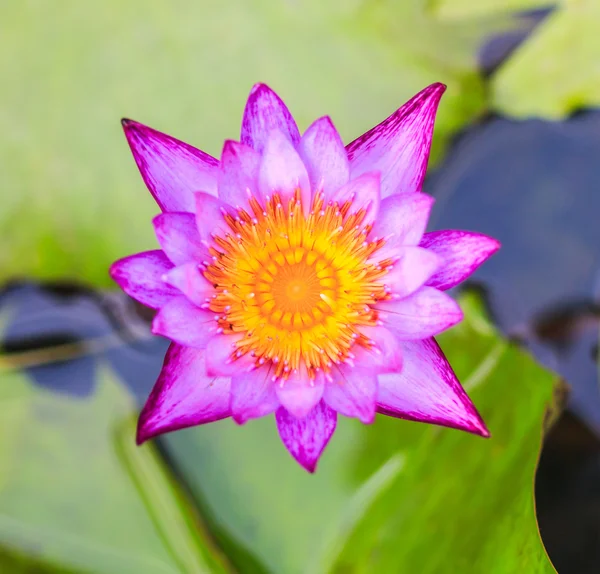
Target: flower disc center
x=296, y=288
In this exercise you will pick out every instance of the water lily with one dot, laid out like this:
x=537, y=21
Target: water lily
x=295, y=277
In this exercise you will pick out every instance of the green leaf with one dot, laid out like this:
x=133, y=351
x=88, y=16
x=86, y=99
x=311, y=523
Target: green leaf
x=72, y=201
x=76, y=495
x=554, y=72
x=395, y=496
x=464, y=9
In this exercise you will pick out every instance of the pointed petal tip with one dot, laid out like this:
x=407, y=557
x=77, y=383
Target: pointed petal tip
x=143, y=434
x=437, y=87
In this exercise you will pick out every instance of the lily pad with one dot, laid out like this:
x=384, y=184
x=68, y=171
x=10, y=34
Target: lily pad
x=76, y=495
x=396, y=496
x=72, y=201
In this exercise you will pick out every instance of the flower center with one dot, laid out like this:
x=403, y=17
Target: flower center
x=296, y=287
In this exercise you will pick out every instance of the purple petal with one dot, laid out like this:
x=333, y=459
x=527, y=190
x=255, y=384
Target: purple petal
x=423, y=314
x=282, y=171
x=264, y=112
x=298, y=394
x=210, y=217
x=141, y=276
x=183, y=395
x=253, y=395
x=219, y=351
x=324, y=155
x=189, y=280
x=306, y=438
x=239, y=173
x=364, y=192
x=172, y=169
x=352, y=393
x=402, y=219
x=178, y=237
x=427, y=390
x=384, y=357
x=462, y=253
x=411, y=271
x=399, y=146
x=185, y=323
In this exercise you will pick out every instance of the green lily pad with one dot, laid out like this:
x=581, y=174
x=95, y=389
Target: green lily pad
x=396, y=496
x=465, y=9
x=555, y=72
x=76, y=495
x=72, y=200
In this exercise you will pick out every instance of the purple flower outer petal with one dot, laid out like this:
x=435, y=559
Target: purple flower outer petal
x=264, y=112
x=364, y=191
x=423, y=314
x=352, y=392
x=411, y=271
x=141, y=276
x=402, y=220
x=185, y=323
x=462, y=253
x=298, y=394
x=239, y=173
x=324, y=155
x=188, y=279
x=306, y=438
x=282, y=171
x=183, y=395
x=427, y=390
x=178, y=237
x=171, y=169
x=399, y=146
x=384, y=357
x=253, y=395
x=210, y=219
x=219, y=351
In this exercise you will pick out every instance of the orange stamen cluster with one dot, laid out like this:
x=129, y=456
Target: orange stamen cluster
x=296, y=287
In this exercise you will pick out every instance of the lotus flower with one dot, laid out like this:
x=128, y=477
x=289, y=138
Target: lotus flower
x=295, y=277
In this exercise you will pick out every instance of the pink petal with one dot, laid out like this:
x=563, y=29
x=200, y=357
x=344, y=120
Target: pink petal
x=423, y=314
x=402, y=219
x=252, y=395
x=178, y=237
x=264, y=112
x=172, y=169
x=219, y=360
x=185, y=323
x=239, y=173
x=411, y=271
x=282, y=171
x=306, y=438
x=183, y=395
x=141, y=277
x=352, y=393
x=298, y=394
x=462, y=253
x=189, y=280
x=399, y=146
x=210, y=218
x=364, y=192
x=427, y=390
x=384, y=357
x=324, y=155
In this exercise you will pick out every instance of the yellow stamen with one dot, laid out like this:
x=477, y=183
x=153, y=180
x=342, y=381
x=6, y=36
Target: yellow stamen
x=299, y=287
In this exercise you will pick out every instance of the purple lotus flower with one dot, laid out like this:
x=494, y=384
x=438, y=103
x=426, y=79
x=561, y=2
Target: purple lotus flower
x=295, y=277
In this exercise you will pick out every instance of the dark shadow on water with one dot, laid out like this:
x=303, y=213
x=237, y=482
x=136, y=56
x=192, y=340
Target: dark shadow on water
x=59, y=333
